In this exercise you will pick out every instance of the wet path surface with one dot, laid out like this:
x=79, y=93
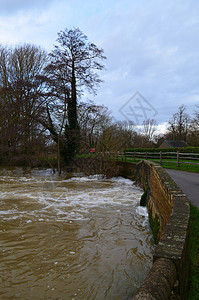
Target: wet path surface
x=71, y=238
x=188, y=182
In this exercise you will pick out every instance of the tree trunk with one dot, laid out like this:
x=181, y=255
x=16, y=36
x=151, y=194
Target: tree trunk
x=72, y=131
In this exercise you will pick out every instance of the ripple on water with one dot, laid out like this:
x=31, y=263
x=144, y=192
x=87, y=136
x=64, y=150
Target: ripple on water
x=82, y=237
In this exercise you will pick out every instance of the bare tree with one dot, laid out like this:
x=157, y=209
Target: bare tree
x=149, y=127
x=73, y=67
x=193, y=136
x=196, y=118
x=20, y=94
x=92, y=120
x=117, y=136
x=179, y=124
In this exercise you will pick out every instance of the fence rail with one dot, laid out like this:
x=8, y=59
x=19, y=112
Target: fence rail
x=167, y=157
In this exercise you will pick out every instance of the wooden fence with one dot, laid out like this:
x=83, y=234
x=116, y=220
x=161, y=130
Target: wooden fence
x=160, y=157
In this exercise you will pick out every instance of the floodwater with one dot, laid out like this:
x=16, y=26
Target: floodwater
x=71, y=238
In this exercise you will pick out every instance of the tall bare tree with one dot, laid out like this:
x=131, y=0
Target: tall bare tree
x=73, y=67
x=20, y=94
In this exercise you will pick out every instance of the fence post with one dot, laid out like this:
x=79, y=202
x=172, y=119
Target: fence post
x=178, y=159
x=134, y=154
x=146, y=155
x=160, y=157
x=124, y=155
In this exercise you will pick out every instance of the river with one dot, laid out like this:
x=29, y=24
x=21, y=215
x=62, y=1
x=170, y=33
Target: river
x=73, y=237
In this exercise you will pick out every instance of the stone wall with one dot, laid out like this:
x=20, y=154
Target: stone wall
x=169, y=213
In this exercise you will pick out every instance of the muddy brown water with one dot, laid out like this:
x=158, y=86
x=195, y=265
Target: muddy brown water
x=71, y=238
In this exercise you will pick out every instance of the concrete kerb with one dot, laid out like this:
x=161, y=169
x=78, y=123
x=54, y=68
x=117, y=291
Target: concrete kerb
x=171, y=206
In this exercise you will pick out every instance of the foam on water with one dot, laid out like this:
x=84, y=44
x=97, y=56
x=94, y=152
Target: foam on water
x=142, y=211
x=39, y=193
x=80, y=237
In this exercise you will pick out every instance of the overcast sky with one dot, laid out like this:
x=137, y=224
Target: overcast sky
x=152, y=48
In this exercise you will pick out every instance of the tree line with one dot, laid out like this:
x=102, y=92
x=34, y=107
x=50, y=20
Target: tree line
x=40, y=102
x=182, y=126
x=41, y=109
x=39, y=95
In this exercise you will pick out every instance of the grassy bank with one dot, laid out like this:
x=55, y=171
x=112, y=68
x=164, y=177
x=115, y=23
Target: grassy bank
x=183, y=167
x=168, y=165
x=194, y=254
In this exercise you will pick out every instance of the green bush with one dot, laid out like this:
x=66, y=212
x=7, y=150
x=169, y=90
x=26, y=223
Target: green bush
x=155, y=225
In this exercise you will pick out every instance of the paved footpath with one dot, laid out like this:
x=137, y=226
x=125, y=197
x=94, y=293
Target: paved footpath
x=188, y=182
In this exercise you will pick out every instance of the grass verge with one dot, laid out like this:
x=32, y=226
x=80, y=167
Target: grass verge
x=182, y=167
x=194, y=254
x=169, y=165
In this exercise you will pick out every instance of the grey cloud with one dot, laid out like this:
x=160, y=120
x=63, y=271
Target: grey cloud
x=9, y=7
x=151, y=46
x=153, y=49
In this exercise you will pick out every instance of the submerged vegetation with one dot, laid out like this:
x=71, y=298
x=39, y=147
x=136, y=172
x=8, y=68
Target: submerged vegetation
x=143, y=200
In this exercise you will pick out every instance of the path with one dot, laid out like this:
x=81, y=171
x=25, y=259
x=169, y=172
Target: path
x=188, y=182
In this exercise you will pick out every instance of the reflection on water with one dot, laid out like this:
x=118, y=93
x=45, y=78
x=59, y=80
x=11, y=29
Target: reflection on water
x=76, y=238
